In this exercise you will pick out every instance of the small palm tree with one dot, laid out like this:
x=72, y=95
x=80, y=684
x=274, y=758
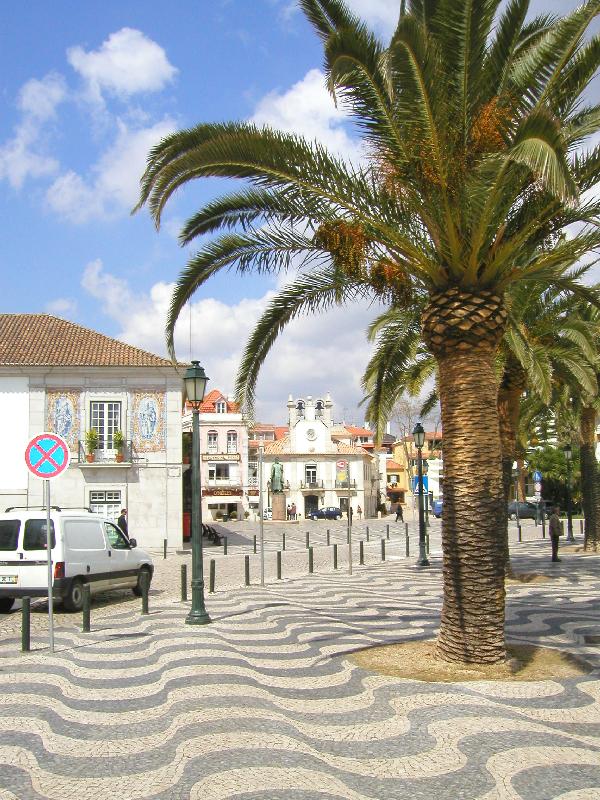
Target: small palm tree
x=471, y=121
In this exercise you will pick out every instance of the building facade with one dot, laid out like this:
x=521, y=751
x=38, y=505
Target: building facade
x=60, y=377
x=319, y=468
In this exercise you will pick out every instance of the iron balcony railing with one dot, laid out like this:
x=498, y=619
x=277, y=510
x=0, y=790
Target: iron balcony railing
x=103, y=456
x=344, y=485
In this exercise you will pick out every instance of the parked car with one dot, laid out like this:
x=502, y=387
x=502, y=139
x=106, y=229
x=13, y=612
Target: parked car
x=525, y=510
x=267, y=513
x=86, y=548
x=331, y=512
x=437, y=508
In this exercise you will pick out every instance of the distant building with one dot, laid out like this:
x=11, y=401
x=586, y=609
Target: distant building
x=401, y=469
x=61, y=377
x=314, y=453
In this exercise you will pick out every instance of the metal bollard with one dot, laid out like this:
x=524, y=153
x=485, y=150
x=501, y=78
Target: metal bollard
x=407, y=546
x=328, y=538
x=211, y=576
x=543, y=525
x=279, y=565
x=367, y=533
x=519, y=533
x=145, y=590
x=254, y=543
x=335, y=556
x=247, y=570
x=361, y=552
x=387, y=531
x=310, y=560
x=224, y=545
x=406, y=528
x=26, y=624
x=383, y=549
x=183, y=583
x=164, y=548
x=307, y=539
x=427, y=543
x=283, y=541
x=85, y=624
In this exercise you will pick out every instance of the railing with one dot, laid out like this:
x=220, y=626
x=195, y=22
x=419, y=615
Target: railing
x=223, y=482
x=312, y=485
x=125, y=454
x=344, y=485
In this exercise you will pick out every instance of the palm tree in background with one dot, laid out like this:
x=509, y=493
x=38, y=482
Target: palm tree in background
x=471, y=119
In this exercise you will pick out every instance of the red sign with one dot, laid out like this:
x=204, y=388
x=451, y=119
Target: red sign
x=47, y=455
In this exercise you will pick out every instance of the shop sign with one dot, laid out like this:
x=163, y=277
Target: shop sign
x=220, y=456
x=217, y=491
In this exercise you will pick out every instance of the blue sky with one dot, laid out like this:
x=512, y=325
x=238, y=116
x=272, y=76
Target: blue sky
x=86, y=89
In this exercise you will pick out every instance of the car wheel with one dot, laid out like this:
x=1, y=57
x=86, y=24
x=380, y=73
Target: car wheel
x=73, y=600
x=6, y=603
x=137, y=589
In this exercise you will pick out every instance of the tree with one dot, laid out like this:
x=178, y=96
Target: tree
x=471, y=124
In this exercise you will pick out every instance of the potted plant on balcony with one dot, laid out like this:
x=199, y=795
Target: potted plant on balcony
x=91, y=444
x=118, y=444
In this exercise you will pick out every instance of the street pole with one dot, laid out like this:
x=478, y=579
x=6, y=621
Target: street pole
x=423, y=560
x=198, y=614
x=49, y=560
x=349, y=520
x=261, y=514
x=516, y=476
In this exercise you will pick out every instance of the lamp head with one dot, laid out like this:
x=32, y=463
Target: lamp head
x=419, y=435
x=195, y=381
x=568, y=451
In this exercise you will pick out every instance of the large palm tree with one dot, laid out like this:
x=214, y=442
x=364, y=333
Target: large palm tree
x=471, y=121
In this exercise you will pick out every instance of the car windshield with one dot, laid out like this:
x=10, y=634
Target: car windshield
x=9, y=534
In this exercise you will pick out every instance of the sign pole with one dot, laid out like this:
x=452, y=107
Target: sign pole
x=49, y=557
x=349, y=519
x=261, y=514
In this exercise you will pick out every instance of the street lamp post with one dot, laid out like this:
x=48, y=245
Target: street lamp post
x=516, y=477
x=568, y=451
x=419, y=439
x=195, y=382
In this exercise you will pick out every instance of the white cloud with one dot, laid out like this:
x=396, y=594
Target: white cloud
x=381, y=14
x=126, y=63
x=112, y=186
x=62, y=307
x=23, y=156
x=315, y=354
x=308, y=109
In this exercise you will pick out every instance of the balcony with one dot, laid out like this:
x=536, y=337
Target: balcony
x=124, y=457
x=312, y=486
x=344, y=485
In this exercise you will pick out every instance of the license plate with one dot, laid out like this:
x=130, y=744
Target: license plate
x=8, y=579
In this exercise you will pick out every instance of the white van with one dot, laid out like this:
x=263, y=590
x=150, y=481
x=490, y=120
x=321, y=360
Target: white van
x=86, y=548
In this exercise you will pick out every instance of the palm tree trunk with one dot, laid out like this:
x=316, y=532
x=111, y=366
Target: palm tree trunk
x=462, y=331
x=509, y=406
x=589, y=476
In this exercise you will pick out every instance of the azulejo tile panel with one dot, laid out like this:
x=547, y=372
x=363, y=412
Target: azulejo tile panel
x=62, y=414
x=149, y=421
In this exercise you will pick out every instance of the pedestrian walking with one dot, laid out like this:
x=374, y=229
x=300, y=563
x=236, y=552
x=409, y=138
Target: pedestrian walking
x=293, y=511
x=122, y=522
x=399, y=514
x=556, y=529
x=359, y=512
x=289, y=512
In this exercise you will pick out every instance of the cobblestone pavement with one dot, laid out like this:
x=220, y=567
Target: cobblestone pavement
x=263, y=704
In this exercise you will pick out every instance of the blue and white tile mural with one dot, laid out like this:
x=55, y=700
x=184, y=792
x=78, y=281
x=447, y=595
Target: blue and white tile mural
x=148, y=415
x=63, y=415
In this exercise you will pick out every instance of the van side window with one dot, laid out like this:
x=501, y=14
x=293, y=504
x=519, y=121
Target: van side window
x=34, y=537
x=115, y=537
x=84, y=534
x=9, y=534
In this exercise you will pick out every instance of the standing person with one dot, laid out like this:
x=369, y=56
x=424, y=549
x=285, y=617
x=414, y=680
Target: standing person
x=122, y=522
x=289, y=512
x=399, y=514
x=556, y=529
x=359, y=512
x=293, y=511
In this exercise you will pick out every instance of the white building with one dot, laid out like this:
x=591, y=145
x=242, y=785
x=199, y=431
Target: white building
x=61, y=377
x=314, y=462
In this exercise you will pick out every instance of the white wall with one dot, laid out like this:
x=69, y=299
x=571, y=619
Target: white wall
x=14, y=433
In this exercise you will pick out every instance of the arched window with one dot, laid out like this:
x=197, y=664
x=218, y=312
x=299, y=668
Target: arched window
x=300, y=406
x=213, y=442
x=231, y=442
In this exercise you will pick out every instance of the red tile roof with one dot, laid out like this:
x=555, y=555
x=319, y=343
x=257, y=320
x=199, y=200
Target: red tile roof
x=42, y=340
x=391, y=464
x=359, y=431
x=212, y=398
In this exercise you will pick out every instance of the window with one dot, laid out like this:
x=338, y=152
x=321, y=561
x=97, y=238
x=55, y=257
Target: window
x=34, y=537
x=9, y=533
x=213, y=442
x=105, y=417
x=310, y=473
x=252, y=473
x=221, y=407
x=106, y=503
x=115, y=537
x=231, y=442
x=218, y=473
